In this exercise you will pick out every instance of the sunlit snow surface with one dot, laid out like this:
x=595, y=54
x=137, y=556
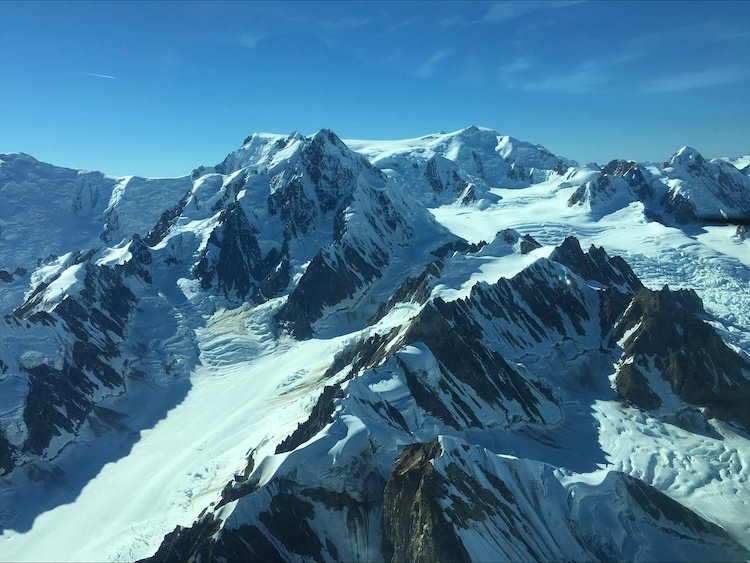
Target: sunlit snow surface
x=251, y=388
x=250, y=391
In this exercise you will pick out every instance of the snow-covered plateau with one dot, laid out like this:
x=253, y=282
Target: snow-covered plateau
x=454, y=347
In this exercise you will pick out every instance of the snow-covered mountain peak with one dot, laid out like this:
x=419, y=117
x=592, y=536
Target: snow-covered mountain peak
x=317, y=348
x=685, y=157
x=697, y=188
x=268, y=153
x=741, y=163
x=10, y=157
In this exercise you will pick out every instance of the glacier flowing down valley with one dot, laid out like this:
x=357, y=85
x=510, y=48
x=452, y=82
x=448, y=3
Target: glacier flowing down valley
x=454, y=347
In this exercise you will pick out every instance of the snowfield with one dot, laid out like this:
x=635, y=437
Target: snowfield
x=223, y=382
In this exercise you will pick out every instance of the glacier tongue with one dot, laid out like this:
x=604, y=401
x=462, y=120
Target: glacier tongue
x=362, y=350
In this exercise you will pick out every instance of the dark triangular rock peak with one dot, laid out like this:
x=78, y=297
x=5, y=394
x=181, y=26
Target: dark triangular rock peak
x=326, y=146
x=706, y=191
x=627, y=169
x=327, y=136
x=522, y=243
x=618, y=184
x=666, y=333
x=266, y=152
x=686, y=157
x=443, y=175
x=411, y=499
x=234, y=263
x=596, y=265
x=141, y=257
x=165, y=222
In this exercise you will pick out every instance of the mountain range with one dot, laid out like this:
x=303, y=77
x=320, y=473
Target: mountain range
x=454, y=347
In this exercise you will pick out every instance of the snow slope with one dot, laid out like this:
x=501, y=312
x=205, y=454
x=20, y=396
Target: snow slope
x=311, y=328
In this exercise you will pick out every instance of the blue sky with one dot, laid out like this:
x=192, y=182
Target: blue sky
x=157, y=89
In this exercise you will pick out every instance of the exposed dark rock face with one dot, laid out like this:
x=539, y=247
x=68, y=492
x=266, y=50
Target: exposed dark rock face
x=287, y=525
x=348, y=268
x=329, y=279
x=233, y=262
x=166, y=221
x=662, y=508
x=538, y=305
x=414, y=524
x=332, y=170
x=455, y=341
x=680, y=208
x=710, y=191
x=528, y=244
x=742, y=232
x=140, y=261
x=319, y=418
x=685, y=351
x=629, y=170
x=415, y=290
x=442, y=175
x=7, y=456
x=458, y=246
x=59, y=398
x=187, y=544
x=609, y=185
x=596, y=265
x=88, y=326
x=613, y=305
x=633, y=387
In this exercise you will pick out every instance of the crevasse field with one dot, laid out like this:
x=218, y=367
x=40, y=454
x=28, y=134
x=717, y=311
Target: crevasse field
x=230, y=382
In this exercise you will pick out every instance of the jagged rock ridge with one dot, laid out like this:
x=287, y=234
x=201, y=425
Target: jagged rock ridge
x=457, y=418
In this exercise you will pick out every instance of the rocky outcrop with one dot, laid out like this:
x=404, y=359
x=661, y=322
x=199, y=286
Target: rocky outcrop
x=166, y=220
x=448, y=501
x=619, y=183
x=319, y=417
x=465, y=364
x=634, y=388
x=596, y=265
x=76, y=322
x=7, y=455
x=667, y=337
x=443, y=176
x=414, y=524
x=707, y=191
x=373, y=231
x=233, y=263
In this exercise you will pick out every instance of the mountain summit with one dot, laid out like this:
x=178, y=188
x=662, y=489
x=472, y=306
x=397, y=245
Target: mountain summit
x=454, y=347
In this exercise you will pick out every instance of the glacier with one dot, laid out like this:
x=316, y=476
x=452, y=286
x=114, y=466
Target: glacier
x=326, y=349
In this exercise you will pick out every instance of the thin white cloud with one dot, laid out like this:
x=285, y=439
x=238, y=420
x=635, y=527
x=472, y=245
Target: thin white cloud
x=505, y=11
x=95, y=75
x=249, y=39
x=517, y=65
x=581, y=81
x=456, y=20
x=341, y=24
x=399, y=25
x=508, y=10
x=690, y=80
x=428, y=67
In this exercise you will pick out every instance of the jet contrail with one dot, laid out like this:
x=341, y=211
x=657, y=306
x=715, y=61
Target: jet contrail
x=99, y=75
